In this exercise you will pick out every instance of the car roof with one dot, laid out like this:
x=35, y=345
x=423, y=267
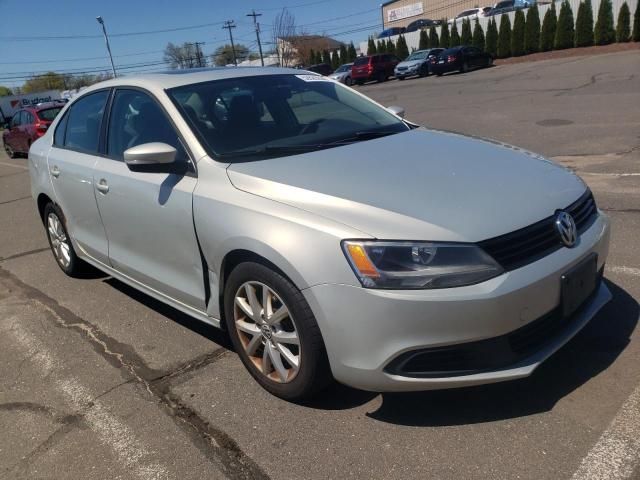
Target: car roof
x=177, y=78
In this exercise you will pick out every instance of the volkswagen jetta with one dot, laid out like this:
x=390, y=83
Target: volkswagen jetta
x=329, y=236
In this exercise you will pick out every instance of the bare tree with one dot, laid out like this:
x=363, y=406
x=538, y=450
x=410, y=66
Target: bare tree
x=181, y=56
x=284, y=31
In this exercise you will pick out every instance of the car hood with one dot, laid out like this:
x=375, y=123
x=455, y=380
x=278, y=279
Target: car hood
x=410, y=63
x=421, y=184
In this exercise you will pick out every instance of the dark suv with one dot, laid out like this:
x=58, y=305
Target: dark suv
x=373, y=67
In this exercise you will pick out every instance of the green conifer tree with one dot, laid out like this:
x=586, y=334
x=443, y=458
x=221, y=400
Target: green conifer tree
x=548, y=32
x=504, y=37
x=623, y=29
x=478, y=36
x=491, y=42
x=532, y=30
x=604, y=32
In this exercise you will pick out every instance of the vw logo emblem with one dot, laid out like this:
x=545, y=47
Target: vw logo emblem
x=566, y=228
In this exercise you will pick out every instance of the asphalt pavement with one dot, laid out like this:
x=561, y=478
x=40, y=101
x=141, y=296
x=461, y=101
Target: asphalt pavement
x=98, y=381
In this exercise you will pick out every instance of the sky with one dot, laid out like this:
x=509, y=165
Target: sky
x=64, y=36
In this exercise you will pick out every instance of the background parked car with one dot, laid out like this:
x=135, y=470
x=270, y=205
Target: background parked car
x=506, y=6
x=27, y=125
x=470, y=14
x=390, y=32
x=321, y=68
x=417, y=63
x=463, y=59
x=343, y=74
x=420, y=24
x=373, y=67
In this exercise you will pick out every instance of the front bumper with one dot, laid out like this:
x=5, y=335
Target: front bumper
x=365, y=329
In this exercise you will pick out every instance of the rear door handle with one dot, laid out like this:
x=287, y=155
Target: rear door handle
x=102, y=186
x=55, y=171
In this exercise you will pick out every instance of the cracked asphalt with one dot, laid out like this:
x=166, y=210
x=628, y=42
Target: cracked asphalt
x=99, y=381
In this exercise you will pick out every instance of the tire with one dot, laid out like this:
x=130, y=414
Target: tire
x=439, y=74
x=490, y=62
x=10, y=151
x=381, y=77
x=60, y=242
x=465, y=68
x=400, y=78
x=348, y=82
x=254, y=340
x=423, y=72
x=360, y=82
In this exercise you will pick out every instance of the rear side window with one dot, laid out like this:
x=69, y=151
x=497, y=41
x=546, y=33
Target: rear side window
x=83, y=122
x=61, y=129
x=49, y=114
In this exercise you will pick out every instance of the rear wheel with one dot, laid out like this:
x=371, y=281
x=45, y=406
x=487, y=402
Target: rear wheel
x=381, y=77
x=275, y=333
x=465, y=68
x=347, y=81
x=400, y=78
x=489, y=61
x=60, y=242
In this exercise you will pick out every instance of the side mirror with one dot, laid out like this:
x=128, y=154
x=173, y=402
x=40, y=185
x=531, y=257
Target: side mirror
x=154, y=157
x=399, y=111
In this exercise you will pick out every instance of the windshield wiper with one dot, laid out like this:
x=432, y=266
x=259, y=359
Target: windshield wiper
x=268, y=149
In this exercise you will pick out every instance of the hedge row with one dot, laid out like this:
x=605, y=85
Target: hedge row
x=557, y=32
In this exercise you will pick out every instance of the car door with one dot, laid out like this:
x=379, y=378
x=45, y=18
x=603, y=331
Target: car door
x=70, y=162
x=148, y=216
x=28, y=127
x=13, y=136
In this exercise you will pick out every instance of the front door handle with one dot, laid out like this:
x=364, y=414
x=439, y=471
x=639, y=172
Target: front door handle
x=55, y=171
x=102, y=186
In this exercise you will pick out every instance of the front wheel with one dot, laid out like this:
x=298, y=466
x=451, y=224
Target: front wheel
x=11, y=153
x=275, y=333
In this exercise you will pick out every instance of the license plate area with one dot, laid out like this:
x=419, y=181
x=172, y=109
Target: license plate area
x=578, y=284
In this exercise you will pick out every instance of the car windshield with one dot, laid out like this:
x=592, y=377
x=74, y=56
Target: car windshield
x=343, y=68
x=417, y=56
x=275, y=115
x=361, y=61
x=49, y=113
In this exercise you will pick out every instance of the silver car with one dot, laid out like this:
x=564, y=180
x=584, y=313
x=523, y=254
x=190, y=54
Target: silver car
x=343, y=74
x=275, y=204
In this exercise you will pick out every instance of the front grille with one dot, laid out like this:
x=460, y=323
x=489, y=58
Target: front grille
x=490, y=354
x=522, y=247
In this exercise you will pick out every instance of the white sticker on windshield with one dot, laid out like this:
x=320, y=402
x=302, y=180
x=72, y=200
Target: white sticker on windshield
x=313, y=78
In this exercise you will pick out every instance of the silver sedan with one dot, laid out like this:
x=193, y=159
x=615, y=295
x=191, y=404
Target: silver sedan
x=331, y=238
x=343, y=74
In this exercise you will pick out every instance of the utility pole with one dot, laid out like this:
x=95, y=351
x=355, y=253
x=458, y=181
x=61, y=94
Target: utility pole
x=229, y=25
x=106, y=39
x=199, y=57
x=257, y=25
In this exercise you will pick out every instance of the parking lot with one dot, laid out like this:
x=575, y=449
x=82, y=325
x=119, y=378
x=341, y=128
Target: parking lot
x=100, y=381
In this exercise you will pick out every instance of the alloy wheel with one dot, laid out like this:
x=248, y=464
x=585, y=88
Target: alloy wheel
x=267, y=331
x=59, y=240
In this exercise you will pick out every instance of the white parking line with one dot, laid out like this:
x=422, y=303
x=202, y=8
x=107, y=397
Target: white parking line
x=604, y=174
x=112, y=432
x=617, y=452
x=635, y=272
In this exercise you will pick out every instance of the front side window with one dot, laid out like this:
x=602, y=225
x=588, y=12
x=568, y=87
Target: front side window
x=15, y=121
x=135, y=119
x=279, y=115
x=83, y=123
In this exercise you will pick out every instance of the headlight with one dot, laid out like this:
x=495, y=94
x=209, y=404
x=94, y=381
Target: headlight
x=419, y=265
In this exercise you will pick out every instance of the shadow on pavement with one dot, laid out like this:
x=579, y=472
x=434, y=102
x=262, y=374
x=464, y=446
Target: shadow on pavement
x=207, y=331
x=589, y=353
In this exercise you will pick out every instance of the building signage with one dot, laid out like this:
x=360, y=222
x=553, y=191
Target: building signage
x=404, y=12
